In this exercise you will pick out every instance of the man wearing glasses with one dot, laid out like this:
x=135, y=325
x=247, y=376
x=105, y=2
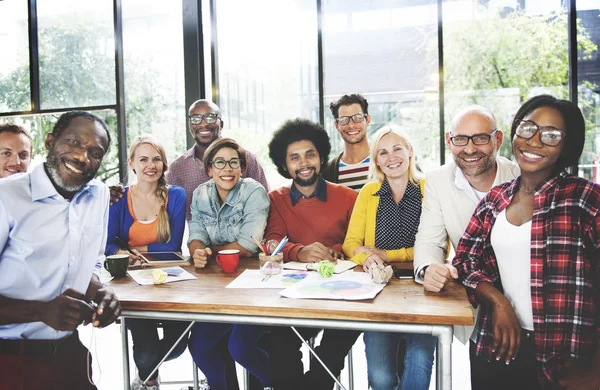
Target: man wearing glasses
x=187, y=170
x=351, y=167
x=452, y=192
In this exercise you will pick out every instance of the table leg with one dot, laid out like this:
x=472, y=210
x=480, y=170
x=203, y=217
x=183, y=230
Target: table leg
x=125, y=344
x=444, y=357
x=318, y=358
x=185, y=332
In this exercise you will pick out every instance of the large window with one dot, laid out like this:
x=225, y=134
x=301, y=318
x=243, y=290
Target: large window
x=380, y=50
x=15, y=91
x=267, y=69
x=76, y=53
x=154, y=79
x=588, y=31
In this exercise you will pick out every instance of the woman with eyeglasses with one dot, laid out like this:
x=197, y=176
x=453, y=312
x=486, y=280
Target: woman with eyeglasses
x=227, y=211
x=529, y=259
x=151, y=218
x=382, y=230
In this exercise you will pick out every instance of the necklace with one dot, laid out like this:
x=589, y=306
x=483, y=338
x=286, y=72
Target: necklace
x=526, y=190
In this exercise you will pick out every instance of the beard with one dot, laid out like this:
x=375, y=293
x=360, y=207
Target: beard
x=486, y=163
x=306, y=182
x=52, y=165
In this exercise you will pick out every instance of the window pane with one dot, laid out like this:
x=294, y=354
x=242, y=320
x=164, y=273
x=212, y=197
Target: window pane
x=76, y=52
x=588, y=39
x=267, y=69
x=500, y=56
x=41, y=125
x=386, y=51
x=154, y=72
x=15, y=93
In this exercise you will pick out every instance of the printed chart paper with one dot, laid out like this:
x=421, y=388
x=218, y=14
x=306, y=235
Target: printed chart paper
x=175, y=274
x=341, y=266
x=252, y=278
x=346, y=286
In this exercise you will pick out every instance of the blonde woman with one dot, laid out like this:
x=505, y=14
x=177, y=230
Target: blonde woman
x=382, y=229
x=151, y=219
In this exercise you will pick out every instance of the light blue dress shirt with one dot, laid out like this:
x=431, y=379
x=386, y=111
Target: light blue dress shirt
x=243, y=214
x=48, y=243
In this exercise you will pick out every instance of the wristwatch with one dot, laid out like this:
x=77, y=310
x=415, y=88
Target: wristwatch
x=421, y=274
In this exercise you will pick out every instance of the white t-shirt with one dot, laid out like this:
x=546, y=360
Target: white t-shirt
x=512, y=246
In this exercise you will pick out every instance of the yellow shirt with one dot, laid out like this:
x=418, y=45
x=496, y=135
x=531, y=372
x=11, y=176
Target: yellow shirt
x=361, y=229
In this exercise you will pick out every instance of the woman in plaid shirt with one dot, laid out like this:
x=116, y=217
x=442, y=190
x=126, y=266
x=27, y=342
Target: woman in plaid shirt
x=529, y=258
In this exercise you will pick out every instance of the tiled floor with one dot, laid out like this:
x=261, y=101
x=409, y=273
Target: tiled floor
x=109, y=376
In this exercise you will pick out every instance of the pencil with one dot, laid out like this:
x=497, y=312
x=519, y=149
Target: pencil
x=258, y=244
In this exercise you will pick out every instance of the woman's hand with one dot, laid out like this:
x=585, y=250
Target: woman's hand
x=201, y=256
x=507, y=331
x=371, y=250
x=369, y=261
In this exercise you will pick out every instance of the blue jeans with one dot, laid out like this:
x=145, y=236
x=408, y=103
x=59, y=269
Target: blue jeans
x=243, y=340
x=382, y=351
x=148, y=349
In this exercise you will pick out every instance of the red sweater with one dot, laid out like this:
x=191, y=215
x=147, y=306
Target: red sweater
x=310, y=220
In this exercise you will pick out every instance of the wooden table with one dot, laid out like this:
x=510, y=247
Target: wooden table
x=402, y=306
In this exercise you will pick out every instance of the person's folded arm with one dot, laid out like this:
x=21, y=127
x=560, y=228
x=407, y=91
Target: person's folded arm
x=355, y=236
x=114, y=227
x=400, y=255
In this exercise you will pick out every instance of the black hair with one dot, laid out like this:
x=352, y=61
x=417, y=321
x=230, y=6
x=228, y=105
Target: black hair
x=346, y=100
x=293, y=131
x=65, y=120
x=574, y=122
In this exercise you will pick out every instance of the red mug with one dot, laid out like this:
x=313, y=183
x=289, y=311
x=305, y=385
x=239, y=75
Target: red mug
x=229, y=260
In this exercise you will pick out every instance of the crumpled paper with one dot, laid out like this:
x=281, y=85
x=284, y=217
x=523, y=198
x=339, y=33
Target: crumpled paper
x=159, y=276
x=381, y=274
x=326, y=268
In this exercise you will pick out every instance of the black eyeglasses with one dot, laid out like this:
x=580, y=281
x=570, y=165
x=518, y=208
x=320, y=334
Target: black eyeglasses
x=356, y=118
x=221, y=163
x=209, y=118
x=549, y=135
x=477, y=139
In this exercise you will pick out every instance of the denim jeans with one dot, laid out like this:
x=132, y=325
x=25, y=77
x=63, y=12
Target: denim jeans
x=148, y=349
x=382, y=350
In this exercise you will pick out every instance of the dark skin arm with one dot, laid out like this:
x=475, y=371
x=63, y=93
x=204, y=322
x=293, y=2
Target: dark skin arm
x=507, y=330
x=116, y=193
x=317, y=252
x=109, y=307
x=65, y=312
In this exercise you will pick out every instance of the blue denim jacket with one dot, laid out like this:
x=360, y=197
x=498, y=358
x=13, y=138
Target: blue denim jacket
x=242, y=215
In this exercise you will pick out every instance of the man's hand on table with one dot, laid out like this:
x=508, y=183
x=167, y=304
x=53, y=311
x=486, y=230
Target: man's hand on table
x=316, y=252
x=201, y=257
x=437, y=275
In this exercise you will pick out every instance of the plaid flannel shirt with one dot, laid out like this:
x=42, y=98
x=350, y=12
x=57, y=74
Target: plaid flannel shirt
x=565, y=284
x=187, y=171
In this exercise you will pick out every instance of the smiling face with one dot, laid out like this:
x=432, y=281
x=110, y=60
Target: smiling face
x=531, y=154
x=75, y=155
x=147, y=163
x=15, y=153
x=303, y=163
x=352, y=133
x=393, y=156
x=226, y=178
x=205, y=133
x=475, y=160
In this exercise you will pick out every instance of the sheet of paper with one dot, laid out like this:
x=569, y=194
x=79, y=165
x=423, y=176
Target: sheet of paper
x=252, y=278
x=346, y=286
x=175, y=274
x=341, y=266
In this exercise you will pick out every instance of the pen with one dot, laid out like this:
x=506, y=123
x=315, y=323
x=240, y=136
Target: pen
x=128, y=249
